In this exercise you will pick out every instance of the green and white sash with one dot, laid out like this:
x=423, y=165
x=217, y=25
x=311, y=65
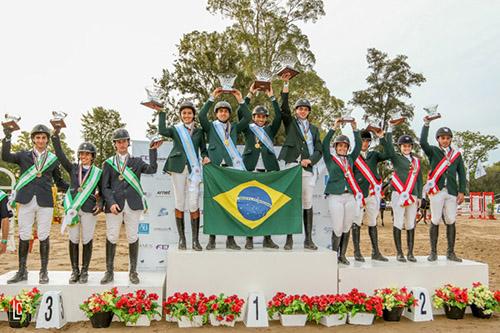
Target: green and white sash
x=130, y=177
x=2, y=195
x=29, y=175
x=72, y=205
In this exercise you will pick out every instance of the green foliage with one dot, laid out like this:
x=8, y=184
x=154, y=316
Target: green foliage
x=475, y=147
x=98, y=125
x=488, y=183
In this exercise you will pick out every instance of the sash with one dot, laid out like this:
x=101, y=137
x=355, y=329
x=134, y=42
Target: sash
x=228, y=143
x=262, y=135
x=349, y=176
x=2, y=195
x=375, y=185
x=431, y=185
x=28, y=176
x=131, y=179
x=72, y=205
x=405, y=197
x=187, y=143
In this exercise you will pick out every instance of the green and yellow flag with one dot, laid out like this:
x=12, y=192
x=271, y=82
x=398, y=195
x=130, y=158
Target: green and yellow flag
x=242, y=203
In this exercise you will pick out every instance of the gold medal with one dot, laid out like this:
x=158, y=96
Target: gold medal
x=121, y=178
x=305, y=137
x=226, y=142
x=257, y=145
x=38, y=174
x=80, y=189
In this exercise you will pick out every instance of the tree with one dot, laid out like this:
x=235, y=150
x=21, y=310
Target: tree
x=475, y=147
x=98, y=125
x=388, y=89
x=261, y=31
x=488, y=183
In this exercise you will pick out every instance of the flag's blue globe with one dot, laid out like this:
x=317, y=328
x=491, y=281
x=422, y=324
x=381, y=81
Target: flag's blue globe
x=253, y=203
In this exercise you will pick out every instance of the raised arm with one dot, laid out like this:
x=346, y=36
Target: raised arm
x=389, y=146
x=275, y=125
x=424, y=143
x=61, y=156
x=162, y=128
x=7, y=156
x=382, y=156
x=327, y=156
x=152, y=167
x=286, y=114
x=246, y=116
x=356, y=150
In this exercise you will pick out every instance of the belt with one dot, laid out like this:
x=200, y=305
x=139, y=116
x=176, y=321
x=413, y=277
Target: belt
x=260, y=170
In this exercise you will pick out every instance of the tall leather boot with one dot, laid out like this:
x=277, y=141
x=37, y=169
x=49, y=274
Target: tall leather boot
x=335, y=243
x=110, y=260
x=450, y=235
x=211, y=242
x=249, y=243
x=74, y=256
x=195, y=230
x=410, y=240
x=376, y=255
x=289, y=242
x=433, y=236
x=268, y=243
x=356, y=239
x=397, y=241
x=44, y=260
x=308, y=223
x=179, y=221
x=133, y=253
x=87, y=255
x=22, y=273
x=231, y=243
x=344, y=241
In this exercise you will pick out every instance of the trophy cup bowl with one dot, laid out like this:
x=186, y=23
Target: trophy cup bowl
x=397, y=119
x=11, y=122
x=287, y=62
x=374, y=127
x=57, y=120
x=153, y=98
x=346, y=115
x=432, y=113
x=227, y=81
x=263, y=80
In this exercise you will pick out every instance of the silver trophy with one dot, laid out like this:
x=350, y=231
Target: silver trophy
x=11, y=122
x=432, y=113
x=346, y=115
x=263, y=79
x=57, y=120
x=287, y=62
x=154, y=138
x=153, y=98
x=397, y=118
x=227, y=81
x=374, y=124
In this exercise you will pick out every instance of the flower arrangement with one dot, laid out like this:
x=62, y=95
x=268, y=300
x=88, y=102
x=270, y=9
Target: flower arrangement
x=326, y=305
x=288, y=304
x=450, y=296
x=100, y=302
x=188, y=305
x=129, y=307
x=395, y=298
x=224, y=310
x=29, y=300
x=481, y=297
x=360, y=302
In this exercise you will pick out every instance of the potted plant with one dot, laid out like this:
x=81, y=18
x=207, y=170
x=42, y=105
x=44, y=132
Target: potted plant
x=275, y=306
x=100, y=307
x=137, y=309
x=329, y=310
x=363, y=308
x=21, y=307
x=224, y=310
x=190, y=310
x=483, y=302
x=295, y=310
x=453, y=299
x=394, y=301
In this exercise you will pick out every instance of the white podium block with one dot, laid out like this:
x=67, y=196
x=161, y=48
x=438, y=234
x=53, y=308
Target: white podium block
x=423, y=310
x=50, y=313
x=256, y=311
x=74, y=294
x=373, y=274
x=240, y=272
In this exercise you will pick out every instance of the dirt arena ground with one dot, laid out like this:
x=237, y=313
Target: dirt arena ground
x=476, y=239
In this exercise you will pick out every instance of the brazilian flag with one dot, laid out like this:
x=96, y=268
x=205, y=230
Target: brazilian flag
x=242, y=203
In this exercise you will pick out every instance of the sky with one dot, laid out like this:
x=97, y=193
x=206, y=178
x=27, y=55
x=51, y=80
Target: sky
x=74, y=55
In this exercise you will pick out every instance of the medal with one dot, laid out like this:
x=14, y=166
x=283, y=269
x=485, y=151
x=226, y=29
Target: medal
x=226, y=142
x=39, y=164
x=121, y=178
x=38, y=174
x=80, y=189
x=257, y=145
x=121, y=166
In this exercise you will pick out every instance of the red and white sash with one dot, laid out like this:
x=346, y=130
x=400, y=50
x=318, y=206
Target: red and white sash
x=405, y=197
x=375, y=185
x=431, y=186
x=349, y=176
